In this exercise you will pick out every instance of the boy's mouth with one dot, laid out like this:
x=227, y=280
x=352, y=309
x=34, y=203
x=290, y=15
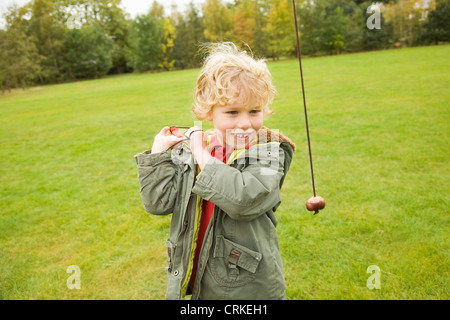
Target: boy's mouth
x=241, y=136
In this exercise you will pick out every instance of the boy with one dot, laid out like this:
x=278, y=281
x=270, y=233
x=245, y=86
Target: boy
x=222, y=188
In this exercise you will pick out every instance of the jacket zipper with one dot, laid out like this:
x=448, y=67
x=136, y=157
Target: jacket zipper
x=187, y=273
x=183, y=281
x=182, y=256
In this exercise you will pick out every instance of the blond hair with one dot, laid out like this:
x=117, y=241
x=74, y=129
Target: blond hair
x=230, y=75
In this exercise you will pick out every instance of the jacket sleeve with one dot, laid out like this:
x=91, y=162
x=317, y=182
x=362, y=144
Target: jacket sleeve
x=243, y=195
x=157, y=180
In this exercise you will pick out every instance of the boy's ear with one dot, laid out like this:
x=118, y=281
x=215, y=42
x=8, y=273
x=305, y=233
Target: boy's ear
x=209, y=116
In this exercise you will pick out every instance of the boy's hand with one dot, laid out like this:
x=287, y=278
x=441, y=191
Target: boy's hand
x=164, y=140
x=198, y=145
x=197, y=140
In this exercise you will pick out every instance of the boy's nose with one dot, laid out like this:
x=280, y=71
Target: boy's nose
x=244, y=122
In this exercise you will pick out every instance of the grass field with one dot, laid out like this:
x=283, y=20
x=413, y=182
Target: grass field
x=379, y=126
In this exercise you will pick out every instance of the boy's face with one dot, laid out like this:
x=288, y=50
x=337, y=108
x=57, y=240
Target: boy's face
x=236, y=125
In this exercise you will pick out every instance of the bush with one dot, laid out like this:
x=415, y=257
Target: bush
x=87, y=53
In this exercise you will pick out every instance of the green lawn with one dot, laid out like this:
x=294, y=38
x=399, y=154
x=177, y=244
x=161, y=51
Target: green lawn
x=379, y=126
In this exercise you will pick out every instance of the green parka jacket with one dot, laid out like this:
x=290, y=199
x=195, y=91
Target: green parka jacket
x=240, y=257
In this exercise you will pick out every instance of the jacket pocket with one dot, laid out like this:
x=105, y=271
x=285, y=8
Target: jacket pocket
x=232, y=264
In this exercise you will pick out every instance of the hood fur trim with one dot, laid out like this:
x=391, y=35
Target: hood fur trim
x=268, y=135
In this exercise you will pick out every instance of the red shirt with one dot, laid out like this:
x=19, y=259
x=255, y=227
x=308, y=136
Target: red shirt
x=217, y=151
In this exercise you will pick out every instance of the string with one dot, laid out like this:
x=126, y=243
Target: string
x=304, y=100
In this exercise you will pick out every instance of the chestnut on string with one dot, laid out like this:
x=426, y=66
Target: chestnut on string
x=315, y=204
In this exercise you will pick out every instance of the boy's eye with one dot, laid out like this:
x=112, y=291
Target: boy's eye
x=232, y=112
x=255, y=111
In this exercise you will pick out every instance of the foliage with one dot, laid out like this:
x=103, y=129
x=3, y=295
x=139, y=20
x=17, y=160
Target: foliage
x=113, y=21
x=279, y=30
x=86, y=53
x=146, y=43
x=244, y=23
x=189, y=36
x=156, y=41
x=217, y=21
x=438, y=27
x=17, y=60
x=167, y=45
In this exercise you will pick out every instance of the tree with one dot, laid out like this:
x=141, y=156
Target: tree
x=189, y=36
x=146, y=43
x=106, y=14
x=260, y=9
x=167, y=45
x=279, y=30
x=113, y=21
x=406, y=19
x=438, y=28
x=19, y=59
x=156, y=10
x=355, y=31
x=86, y=53
x=47, y=32
x=218, y=21
x=376, y=38
x=335, y=31
x=312, y=17
x=244, y=22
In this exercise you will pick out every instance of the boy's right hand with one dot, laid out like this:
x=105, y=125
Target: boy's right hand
x=164, y=140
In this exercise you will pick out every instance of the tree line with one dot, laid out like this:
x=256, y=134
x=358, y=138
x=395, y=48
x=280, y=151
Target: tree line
x=49, y=41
